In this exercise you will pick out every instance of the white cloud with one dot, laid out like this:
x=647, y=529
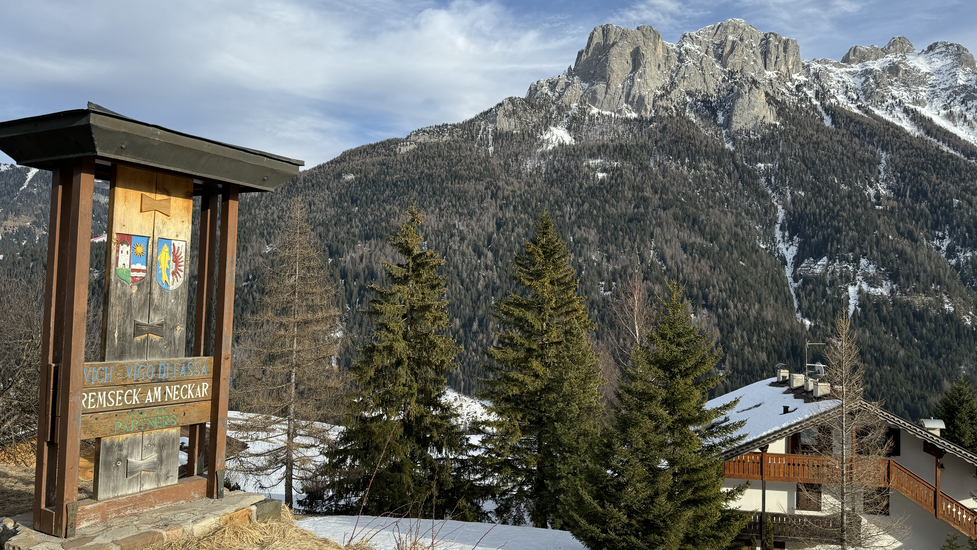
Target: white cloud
x=670, y=17
x=205, y=66
x=310, y=78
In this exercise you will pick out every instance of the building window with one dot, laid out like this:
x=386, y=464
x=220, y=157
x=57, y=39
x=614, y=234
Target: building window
x=809, y=496
x=893, y=439
x=812, y=441
x=876, y=501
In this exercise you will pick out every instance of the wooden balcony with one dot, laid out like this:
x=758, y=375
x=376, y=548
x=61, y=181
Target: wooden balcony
x=886, y=473
x=796, y=528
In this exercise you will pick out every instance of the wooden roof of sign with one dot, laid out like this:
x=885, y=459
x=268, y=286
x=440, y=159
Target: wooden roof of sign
x=42, y=141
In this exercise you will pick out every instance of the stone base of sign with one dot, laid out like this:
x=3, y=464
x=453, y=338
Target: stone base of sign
x=166, y=523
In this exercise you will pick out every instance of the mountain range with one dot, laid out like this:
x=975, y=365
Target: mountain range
x=781, y=192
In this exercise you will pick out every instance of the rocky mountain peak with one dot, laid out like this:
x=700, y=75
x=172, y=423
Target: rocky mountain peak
x=860, y=54
x=899, y=44
x=632, y=72
x=952, y=52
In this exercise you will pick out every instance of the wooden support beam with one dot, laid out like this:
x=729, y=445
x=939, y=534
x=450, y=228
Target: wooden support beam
x=45, y=472
x=73, y=259
x=222, y=341
x=203, y=333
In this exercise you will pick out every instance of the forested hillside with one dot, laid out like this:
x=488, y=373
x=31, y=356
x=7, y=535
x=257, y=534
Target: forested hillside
x=780, y=194
x=664, y=198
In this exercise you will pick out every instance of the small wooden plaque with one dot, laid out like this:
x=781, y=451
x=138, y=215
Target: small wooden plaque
x=111, y=423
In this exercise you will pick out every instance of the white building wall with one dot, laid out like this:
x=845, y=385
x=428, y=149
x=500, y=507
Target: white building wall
x=781, y=496
x=957, y=480
x=925, y=531
x=915, y=459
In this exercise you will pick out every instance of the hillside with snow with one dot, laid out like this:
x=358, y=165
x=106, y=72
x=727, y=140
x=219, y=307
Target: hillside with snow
x=782, y=192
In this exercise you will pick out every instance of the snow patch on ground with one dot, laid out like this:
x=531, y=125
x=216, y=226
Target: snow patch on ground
x=942, y=244
x=30, y=175
x=259, y=445
x=469, y=409
x=881, y=187
x=626, y=112
x=824, y=115
x=392, y=533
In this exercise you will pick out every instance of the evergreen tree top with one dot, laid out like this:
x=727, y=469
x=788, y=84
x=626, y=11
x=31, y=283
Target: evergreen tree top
x=543, y=268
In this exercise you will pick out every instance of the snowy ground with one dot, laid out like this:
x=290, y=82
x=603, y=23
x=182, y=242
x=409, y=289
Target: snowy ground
x=385, y=533
x=469, y=411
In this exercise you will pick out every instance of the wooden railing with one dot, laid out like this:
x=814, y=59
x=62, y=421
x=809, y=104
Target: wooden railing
x=807, y=528
x=913, y=487
x=888, y=473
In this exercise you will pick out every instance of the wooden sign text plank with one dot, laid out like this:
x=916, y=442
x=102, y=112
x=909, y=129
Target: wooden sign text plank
x=120, y=373
x=117, y=398
x=112, y=423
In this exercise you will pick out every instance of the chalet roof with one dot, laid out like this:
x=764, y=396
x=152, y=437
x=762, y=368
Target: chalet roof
x=43, y=141
x=761, y=407
x=922, y=433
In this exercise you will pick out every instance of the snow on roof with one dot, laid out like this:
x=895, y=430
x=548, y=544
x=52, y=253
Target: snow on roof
x=762, y=405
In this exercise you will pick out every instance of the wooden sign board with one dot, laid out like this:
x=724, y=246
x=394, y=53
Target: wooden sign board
x=153, y=173
x=122, y=397
x=135, y=403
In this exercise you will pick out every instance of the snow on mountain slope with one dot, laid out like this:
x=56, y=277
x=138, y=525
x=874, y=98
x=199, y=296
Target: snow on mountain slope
x=939, y=82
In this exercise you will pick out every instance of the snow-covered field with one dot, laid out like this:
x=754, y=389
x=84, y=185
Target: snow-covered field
x=389, y=533
x=385, y=533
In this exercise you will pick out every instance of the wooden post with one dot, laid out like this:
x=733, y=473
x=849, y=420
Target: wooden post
x=47, y=445
x=222, y=340
x=73, y=252
x=936, y=493
x=206, y=268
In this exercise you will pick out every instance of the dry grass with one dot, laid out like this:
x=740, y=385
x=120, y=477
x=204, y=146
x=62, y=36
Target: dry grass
x=276, y=535
x=16, y=490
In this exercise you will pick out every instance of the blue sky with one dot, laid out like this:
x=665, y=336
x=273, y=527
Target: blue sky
x=309, y=79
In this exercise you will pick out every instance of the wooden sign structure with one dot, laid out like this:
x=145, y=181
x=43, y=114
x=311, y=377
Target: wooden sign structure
x=134, y=402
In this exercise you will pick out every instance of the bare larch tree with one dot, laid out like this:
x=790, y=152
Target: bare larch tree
x=287, y=378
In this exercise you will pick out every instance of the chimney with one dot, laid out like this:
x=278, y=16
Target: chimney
x=782, y=372
x=932, y=425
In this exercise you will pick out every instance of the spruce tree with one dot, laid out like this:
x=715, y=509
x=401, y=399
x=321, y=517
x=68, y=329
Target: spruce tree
x=958, y=409
x=401, y=442
x=545, y=386
x=661, y=484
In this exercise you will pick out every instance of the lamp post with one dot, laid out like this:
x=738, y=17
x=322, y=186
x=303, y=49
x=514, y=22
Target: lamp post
x=763, y=497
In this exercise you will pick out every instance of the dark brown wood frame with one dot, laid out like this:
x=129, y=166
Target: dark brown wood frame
x=57, y=510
